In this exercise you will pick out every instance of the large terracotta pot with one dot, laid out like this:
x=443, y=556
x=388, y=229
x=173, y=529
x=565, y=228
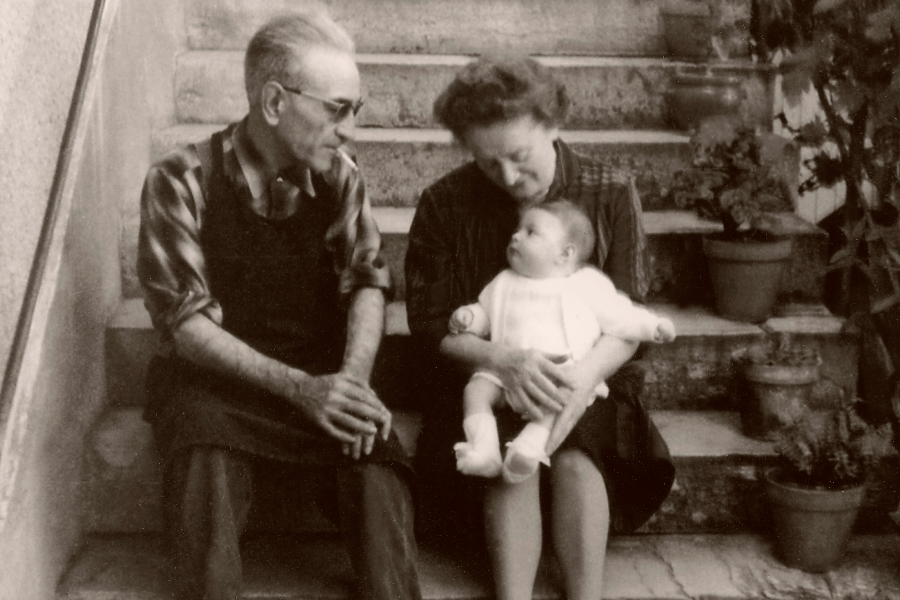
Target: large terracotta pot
x=776, y=396
x=811, y=527
x=746, y=276
x=692, y=97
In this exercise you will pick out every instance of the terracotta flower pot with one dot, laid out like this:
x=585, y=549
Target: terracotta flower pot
x=811, y=527
x=746, y=276
x=776, y=396
x=692, y=97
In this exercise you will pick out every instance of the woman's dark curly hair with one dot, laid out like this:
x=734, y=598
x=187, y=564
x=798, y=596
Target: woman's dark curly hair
x=492, y=89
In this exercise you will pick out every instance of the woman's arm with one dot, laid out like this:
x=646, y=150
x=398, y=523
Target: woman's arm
x=600, y=363
x=531, y=380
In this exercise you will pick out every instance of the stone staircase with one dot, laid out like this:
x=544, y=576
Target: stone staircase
x=708, y=540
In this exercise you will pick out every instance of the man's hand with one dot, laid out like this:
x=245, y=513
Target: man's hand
x=533, y=382
x=461, y=320
x=346, y=408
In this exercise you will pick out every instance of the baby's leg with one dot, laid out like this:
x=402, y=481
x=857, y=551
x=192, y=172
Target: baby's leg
x=525, y=453
x=480, y=453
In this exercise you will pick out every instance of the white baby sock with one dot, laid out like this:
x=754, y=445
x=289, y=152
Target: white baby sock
x=525, y=453
x=480, y=454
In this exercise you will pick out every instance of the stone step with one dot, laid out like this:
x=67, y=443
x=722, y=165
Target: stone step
x=608, y=93
x=678, y=270
x=613, y=27
x=717, y=489
x=694, y=372
x=646, y=567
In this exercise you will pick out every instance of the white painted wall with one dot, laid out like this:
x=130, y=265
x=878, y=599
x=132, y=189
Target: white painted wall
x=41, y=479
x=40, y=46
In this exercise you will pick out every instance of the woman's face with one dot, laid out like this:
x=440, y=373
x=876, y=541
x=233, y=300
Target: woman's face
x=516, y=155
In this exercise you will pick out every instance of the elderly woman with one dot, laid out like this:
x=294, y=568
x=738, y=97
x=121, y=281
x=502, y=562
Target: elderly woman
x=609, y=466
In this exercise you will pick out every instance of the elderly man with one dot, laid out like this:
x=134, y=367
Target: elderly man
x=259, y=259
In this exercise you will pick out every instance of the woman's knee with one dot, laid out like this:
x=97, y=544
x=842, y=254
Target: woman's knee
x=573, y=463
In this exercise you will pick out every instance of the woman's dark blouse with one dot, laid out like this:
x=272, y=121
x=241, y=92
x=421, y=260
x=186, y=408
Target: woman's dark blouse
x=457, y=244
x=458, y=238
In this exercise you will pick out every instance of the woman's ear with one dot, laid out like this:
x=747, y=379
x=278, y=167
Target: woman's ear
x=272, y=98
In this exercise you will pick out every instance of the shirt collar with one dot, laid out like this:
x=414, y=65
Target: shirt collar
x=250, y=161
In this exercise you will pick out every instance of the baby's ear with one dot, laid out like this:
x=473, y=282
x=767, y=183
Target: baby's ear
x=569, y=253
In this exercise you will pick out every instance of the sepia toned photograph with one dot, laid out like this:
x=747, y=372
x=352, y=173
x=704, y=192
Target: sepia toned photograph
x=450, y=299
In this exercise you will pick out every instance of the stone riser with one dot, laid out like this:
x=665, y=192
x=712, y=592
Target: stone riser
x=399, y=90
x=399, y=163
x=717, y=490
x=678, y=270
x=614, y=27
x=692, y=373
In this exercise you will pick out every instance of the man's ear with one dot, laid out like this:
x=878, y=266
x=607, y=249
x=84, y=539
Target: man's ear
x=569, y=253
x=273, y=101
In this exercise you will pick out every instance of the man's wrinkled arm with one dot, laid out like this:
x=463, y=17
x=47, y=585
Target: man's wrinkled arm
x=365, y=329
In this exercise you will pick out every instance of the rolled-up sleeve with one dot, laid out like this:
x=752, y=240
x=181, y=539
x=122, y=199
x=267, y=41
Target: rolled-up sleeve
x=170, y=263
x=354, y=240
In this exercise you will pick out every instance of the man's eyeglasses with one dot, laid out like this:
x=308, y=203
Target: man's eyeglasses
x=340, y=109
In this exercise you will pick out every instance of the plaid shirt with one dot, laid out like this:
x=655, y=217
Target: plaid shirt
x=171, y=265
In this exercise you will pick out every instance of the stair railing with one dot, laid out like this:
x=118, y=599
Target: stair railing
x=51, y=216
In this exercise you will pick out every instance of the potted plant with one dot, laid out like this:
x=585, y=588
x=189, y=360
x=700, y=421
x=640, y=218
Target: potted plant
x=710, y=34
x=847, y=54
x=738, y=176
x=819, y=484
x=777, y=377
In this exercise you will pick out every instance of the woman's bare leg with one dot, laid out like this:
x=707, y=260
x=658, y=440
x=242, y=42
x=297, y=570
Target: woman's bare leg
x=580, y=523
x=512, y=516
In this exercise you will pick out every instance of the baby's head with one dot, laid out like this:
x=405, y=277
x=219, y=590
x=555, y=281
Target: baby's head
x=553, y=240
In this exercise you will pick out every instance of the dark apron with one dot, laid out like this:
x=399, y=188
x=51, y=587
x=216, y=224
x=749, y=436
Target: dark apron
x=279, y=293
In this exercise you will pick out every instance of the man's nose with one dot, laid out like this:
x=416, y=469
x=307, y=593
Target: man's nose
x=346, y=129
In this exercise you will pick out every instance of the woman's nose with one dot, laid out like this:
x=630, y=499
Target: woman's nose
x=509, y=172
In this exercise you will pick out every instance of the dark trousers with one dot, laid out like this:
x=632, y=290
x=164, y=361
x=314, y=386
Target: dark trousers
x=207, y=497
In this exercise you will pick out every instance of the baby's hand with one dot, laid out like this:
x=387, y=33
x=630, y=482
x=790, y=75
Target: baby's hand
x=461, y=320
x=665, y=331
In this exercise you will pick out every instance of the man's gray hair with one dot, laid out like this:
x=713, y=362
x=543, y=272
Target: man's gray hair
x=275, y=48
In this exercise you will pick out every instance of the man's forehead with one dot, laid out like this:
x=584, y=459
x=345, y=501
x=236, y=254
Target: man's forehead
x=325, y=66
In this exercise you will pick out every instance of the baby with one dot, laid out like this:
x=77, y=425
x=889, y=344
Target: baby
x=550, y=300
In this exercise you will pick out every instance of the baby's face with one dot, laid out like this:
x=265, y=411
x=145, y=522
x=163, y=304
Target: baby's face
x=537, y=248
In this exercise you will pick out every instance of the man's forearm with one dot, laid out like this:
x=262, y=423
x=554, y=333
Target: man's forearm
x=204, y=343
x=365, y=328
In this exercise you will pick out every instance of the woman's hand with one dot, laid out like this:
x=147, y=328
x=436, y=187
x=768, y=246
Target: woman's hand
x=533, y=382
x=576, y=402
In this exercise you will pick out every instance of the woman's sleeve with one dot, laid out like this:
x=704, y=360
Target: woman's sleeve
x=626, y=260
x=170, y=264
x=429, y=272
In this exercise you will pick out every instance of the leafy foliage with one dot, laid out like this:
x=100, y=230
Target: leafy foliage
x=735, y=176
x=848, y=52
x=832, y=449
